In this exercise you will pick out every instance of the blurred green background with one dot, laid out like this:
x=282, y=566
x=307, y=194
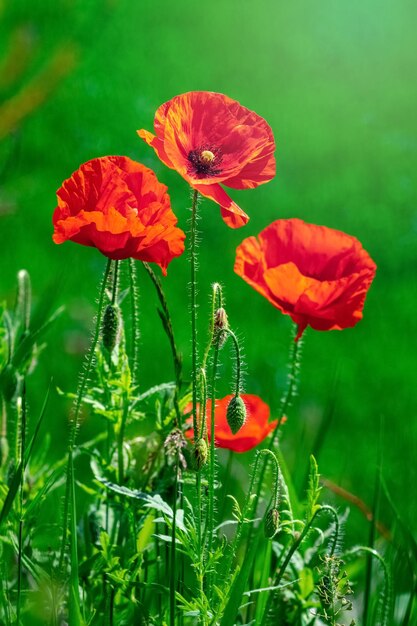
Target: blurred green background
x=337, y=83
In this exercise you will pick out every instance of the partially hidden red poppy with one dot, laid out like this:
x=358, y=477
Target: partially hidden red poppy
x=211, y=139
x=119, y=207
x=316, y=275
x=256, y=428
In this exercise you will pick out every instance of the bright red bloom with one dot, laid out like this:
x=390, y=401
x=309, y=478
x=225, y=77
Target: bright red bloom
x=210, y=139
x=256, y=428
x=119, y=207
x=316, y=275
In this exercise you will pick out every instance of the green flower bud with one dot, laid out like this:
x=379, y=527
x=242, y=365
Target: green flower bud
x=236, y=414
x=110, y=327
x=221, y=326
x=271, y=523
x=200, y=454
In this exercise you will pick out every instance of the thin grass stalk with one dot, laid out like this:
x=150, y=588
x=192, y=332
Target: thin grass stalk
x=371, y=540
x=173, y=568
x=134, y=296
x=385, y=603
x=22, y=480
x=76, y=413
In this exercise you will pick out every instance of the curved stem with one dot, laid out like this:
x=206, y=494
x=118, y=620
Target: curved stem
x=387, y=596
x=216, y=303
x=167, y=323
x=238, y=360
x=294, y=548
x=77, y=408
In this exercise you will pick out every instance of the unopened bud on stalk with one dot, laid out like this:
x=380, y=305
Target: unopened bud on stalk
x=221, y=326
x=110, y=327
x=236, y=414
x=200, y=454
x=271, y=523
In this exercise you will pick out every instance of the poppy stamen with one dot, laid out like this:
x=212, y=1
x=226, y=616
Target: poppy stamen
x=204, y=161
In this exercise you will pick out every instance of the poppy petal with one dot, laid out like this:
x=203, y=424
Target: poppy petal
x=157, y=145
x=231, y=213
x=316, y=275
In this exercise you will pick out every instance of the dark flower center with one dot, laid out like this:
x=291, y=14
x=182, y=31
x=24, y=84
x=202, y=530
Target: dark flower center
x=205, y=161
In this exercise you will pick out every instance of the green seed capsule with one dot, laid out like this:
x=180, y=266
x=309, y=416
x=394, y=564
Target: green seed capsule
x=236, y=414
x=200, y=454
x=110, y=327
x=271, y=523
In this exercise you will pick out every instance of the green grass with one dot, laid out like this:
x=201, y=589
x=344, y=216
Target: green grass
x=336, y=81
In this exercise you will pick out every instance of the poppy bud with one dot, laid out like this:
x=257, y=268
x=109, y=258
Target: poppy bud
x=110, y=327
x=221, y=326
x=200, y=454
x=236, y=414
x=8, y=382
x=271, y=523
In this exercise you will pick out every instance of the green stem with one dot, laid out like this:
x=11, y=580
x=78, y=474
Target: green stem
x=286, y=400
x=115, y=286
x=238, y=361
x=216, y=303
x=120, y=439
x=387, y=597
x=212, y=470
x=134, y=294
x=20, y=537
x=77, y=408
x=294, y=548
x=167, y=323
x=172, y=575
x=193, y=264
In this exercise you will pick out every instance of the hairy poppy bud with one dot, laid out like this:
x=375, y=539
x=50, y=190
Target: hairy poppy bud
x=110, y=327
x=221, y=326
x=271, y=523
x=236, y=414
x=200, y=454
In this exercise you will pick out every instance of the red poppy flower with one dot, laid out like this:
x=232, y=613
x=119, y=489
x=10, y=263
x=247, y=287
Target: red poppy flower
x=253, y=432
x=210, y=139
x=316, y=275
x=119, y=207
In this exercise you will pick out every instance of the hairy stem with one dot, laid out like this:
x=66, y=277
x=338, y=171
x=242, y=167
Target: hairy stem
x=77, y=408
x=167, y=323
x=193, y=287
x=134, y=294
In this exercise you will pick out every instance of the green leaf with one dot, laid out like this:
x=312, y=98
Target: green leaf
x=313, y=491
